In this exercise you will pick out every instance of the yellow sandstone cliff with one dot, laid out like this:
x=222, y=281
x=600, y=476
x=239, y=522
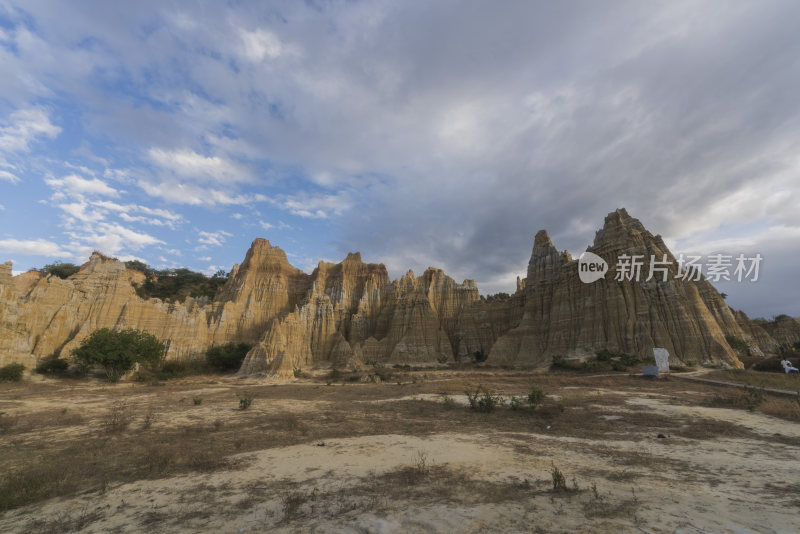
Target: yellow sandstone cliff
x=352, y=313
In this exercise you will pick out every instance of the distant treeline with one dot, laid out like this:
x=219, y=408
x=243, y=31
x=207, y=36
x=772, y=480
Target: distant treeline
x=172, y=284
x=176, y=284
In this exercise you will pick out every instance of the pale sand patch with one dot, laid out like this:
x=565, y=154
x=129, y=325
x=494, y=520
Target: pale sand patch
x=722, y=485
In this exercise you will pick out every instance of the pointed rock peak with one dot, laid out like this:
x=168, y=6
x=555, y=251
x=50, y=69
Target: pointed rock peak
x=353, y=257
x=260, y=243
x=620, y=218
x=542, y=240
x=618, y=228
x=261, y=254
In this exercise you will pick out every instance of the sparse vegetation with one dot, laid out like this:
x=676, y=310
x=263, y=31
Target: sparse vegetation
x=119, y=418
x=228, y=357
x=483, y=400
x=535, y=396
x=559, y=481
x=738, y=344
x=12, y=372
x=52, y=365
x=61, y=270
x=177, y=284
x=245, y=400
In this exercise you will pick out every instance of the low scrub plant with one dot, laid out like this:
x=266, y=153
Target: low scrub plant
x=483, y=400
x=245, y=400
x=11, y=372
x=559, y=481
x=535, y=396
x=227, y=358
x=52, y=365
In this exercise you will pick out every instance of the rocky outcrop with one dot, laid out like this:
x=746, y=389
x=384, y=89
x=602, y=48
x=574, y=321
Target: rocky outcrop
x=351, y=313
x=565, y=316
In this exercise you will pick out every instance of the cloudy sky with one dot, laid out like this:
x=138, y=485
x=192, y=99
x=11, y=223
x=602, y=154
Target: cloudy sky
x=420, y=133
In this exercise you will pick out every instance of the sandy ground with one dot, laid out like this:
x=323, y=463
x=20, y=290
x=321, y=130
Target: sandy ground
x=630, y=480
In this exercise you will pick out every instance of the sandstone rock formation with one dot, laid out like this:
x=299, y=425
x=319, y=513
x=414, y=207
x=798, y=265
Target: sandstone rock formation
x=564, y=316
x=351, y=313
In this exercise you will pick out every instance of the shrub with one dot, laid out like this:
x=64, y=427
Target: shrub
x=483, y=400
x=449, y=402
x=515, y=403
x=535, y=396
x=61, y=270
x=479, y=356
x=178, y=368
x=737, y=344
x=605, y=355
x=245, y=400
x=52, y=365
x=752, y=398
x=11, y=372
x=559, y=482
x=117, y=352
x=560, y=363
x=228, y=357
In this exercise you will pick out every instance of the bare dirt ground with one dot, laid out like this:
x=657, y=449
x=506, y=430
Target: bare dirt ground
x=403, y=455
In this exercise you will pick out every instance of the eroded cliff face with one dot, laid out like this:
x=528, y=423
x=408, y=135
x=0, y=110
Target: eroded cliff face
x=564, y=316
x=354, y=314
x=351, y=313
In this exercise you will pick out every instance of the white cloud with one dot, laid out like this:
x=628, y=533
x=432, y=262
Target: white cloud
x=24, y=127
x=269, y=226
x=2, y=208
x=260, y=44
x=317, y=206
x=5, y=175
x=190, y=164
x=204, y=258
x=35, y=247
x=110, y=238
x=214, y=239
x=75, y=185
x=82, y=212
x=183, y=193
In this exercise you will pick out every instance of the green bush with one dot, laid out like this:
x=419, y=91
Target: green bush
x=515, y=403
x=11, y=372
x=535, y=396
x=737, y=344
x=483, y=400
x=118, y=352
x=479, y=356
x=228, y=357
x=605, y=355
x=245, y=400
x=559, y=362
x=52, y=365
x=559, y=481
x=170, y=369
x=61, y=270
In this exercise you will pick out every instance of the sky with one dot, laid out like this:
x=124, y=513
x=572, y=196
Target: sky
x=420, y=133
